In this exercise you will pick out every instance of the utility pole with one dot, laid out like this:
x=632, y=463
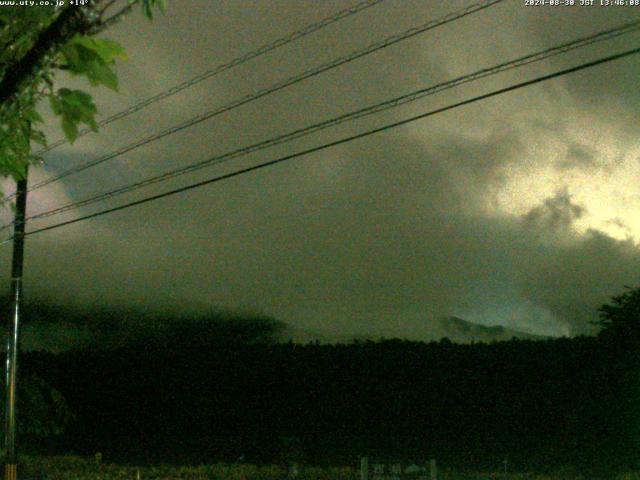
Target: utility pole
x=15, y=312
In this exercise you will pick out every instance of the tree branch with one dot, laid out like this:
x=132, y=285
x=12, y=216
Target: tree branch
x=116, y=17
x=106, y=7
x=72, y=20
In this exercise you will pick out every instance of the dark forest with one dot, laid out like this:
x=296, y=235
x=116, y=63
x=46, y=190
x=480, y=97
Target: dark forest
x=197, y=397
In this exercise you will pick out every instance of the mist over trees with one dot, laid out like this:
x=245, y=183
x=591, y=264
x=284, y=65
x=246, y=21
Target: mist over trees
x=55, y=328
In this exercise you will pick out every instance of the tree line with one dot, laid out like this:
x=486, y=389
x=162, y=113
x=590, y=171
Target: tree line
x=201, y=399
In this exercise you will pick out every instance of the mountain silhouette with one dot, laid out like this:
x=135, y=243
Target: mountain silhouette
x=455, y=329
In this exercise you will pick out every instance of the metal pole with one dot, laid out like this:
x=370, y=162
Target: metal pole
x=10, y=472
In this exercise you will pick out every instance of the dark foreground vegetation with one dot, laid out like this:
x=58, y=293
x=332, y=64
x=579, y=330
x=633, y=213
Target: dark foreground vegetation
x=200, y=399
x=541, y=404
x=77, y=468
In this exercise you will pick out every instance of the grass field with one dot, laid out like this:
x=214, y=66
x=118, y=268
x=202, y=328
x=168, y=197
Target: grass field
x=77, y=468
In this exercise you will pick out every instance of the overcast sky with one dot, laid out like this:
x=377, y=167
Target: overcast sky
x=521, y=210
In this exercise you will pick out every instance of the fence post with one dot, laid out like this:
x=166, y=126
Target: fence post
x=433, y=471
x=364, y=468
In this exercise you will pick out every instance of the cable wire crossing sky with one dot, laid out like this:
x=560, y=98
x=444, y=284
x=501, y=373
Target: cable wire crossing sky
x=410, y=97
x=508, y=206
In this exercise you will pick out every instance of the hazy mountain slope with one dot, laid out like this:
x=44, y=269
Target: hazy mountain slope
x=455, y=329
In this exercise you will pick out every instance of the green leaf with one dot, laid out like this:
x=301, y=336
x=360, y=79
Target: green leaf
x=86, y=56
x=106, y=50
x=55, y=104
x=75, y=107
x=70, y=55
x=38, y=137
x=146, y=9
x=33, y=116
x=70, y=129
x=77, y=104
x=104, y=75
x=148, y=5
x=91, y=123
x=18, y=169
x=81, y=59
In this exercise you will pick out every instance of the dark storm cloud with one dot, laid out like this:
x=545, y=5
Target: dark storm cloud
x=385, y=247
x=608, y=91
x=571, y=275
x=578, y=157
x=556, y=212
x=383, y=235
x=572, y=281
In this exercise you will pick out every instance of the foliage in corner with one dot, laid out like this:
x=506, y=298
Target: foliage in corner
x=148, y=5
x=35, y=43
x=43, y=411
x=620, y=319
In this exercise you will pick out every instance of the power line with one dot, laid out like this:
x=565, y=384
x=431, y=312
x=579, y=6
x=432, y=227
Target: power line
x=276, y=87
x=387, y=42
x=363, y=112
x=342, y=140
x=269, y=47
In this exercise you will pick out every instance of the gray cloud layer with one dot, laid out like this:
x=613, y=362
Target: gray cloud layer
x=383, y=235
